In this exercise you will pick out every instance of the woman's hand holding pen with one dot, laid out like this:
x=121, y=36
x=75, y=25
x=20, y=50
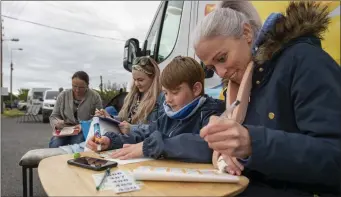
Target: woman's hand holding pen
x=77, y=129
x=59, y=125
x=102, y=113
x=227, y=137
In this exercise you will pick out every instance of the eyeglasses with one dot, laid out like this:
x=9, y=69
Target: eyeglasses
x=142, y=61
x=78, y=87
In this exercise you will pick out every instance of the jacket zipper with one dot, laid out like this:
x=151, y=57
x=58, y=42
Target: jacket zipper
x=170, y=135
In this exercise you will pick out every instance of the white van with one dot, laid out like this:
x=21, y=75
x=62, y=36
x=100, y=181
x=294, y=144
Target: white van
x=170, y=34
x=50, y=97
x=35, y=97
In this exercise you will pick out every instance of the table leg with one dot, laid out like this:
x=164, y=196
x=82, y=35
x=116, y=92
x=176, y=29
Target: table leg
x=30, y=170
x=24, y=181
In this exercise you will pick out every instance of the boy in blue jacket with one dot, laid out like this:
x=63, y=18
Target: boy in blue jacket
x=175, y=133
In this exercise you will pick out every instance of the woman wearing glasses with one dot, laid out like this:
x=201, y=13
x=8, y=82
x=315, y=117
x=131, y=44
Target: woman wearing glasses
x=142, y=103
x=71, y=107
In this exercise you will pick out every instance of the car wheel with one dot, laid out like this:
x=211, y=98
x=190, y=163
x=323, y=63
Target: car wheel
x=24, y=108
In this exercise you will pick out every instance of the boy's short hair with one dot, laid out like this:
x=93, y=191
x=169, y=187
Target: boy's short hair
x=182, y=70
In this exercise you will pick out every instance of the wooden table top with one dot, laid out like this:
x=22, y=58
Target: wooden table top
x=61, y=179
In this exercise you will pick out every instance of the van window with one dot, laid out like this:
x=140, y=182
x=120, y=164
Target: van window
x=170, y=29
x=50, y=95
x=152, y=36
x=37, y=95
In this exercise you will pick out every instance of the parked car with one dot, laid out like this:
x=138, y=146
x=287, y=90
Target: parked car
x=35, y=97
x=49, y=100
x=22, y=105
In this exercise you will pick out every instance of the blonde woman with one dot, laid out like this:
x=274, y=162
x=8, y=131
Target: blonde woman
x=141, y=104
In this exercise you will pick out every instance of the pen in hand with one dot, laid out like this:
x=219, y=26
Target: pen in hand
x=230, y=109
x=106, y=174
x=221, y=163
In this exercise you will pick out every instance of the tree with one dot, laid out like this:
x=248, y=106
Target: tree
x=22, y=95
x=109, y=90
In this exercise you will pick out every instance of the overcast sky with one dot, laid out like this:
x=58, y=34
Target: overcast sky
x=50, y=57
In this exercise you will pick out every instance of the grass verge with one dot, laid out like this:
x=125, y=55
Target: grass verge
x=12, y=113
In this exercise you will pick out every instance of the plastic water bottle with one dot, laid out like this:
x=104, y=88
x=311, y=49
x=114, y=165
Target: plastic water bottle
x=97, y=133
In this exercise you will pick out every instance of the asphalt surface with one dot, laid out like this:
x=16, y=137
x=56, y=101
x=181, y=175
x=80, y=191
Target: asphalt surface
x=16, y=140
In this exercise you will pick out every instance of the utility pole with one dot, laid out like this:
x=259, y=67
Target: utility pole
x=1, y=57
x=11, y=95
x=11, y=77
x=1, y=74
x=101, y=84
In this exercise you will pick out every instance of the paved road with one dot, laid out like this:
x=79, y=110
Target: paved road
x=16, y=140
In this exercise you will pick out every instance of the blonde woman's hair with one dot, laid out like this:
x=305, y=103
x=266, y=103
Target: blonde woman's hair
x=146, y=106
x=228, y=20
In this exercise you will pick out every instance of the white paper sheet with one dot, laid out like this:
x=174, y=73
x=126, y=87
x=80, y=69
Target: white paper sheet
x=119, y=181
x=66, y=131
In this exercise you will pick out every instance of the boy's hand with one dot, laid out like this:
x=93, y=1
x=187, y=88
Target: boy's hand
x=124, y=127
x=129, y=151
x=104, y=141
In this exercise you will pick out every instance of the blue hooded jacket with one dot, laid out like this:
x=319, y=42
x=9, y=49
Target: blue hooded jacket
x=172, y=138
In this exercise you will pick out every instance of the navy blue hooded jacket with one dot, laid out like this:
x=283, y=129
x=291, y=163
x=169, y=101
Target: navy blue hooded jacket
x=294, y=113
x=172, y=138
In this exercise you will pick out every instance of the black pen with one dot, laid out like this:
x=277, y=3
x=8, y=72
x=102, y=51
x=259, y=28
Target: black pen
x=106, y=174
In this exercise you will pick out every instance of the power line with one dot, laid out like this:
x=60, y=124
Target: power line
x=62, y=29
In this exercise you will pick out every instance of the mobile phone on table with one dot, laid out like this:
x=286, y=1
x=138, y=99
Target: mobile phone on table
x=92, y=163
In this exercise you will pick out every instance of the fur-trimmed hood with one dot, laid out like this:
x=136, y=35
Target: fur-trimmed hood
x=300, y=19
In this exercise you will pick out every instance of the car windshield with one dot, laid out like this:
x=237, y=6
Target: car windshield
x=37, y=95
x=51, y=95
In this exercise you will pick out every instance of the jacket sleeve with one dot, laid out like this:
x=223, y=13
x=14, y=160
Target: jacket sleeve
x=55, y=116
x=188, y=147
x=98, y=102
x=311, y=155
x=140, y=133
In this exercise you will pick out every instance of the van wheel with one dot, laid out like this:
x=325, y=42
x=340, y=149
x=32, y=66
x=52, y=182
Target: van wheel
x=46, y=119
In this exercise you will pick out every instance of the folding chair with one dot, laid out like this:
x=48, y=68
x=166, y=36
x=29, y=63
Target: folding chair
x=27, y=114
x=33, y=112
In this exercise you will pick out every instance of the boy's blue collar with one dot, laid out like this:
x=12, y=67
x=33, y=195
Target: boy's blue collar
x=185, y=112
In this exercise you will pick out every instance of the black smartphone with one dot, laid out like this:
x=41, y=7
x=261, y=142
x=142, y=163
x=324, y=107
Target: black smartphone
x=92, y=163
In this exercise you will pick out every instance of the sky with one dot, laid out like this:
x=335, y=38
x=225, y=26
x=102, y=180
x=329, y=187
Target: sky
x=50, y=57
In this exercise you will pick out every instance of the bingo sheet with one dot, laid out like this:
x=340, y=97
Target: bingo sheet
x=119, y=181
x=179, y=170
x=149, y=173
